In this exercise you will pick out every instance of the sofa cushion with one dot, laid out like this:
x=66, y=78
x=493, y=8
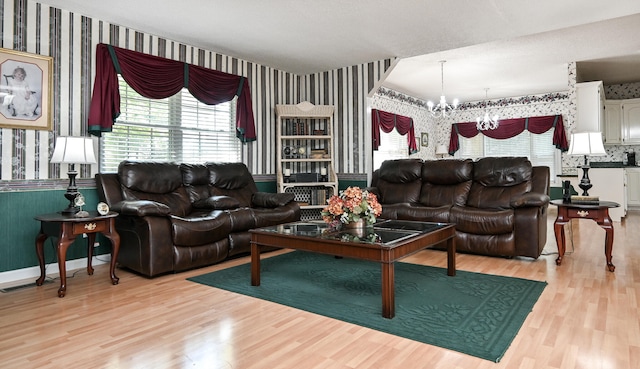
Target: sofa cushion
x=200, y=230
x=217, y=202
x=446, y=182
x=232, y=179
x=496, y=181
x=271, y=200
x=155, y=181
x=481, y=221
x=195, y=178
x=399, y=181
x=150, y=177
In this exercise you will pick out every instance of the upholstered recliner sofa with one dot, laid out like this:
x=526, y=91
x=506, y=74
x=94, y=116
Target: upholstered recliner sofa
x=499, y=205
x=175, y=217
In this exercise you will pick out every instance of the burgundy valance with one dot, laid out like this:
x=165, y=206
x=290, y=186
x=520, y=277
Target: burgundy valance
x=512, y=127
x=158, y=78
x=385, y=121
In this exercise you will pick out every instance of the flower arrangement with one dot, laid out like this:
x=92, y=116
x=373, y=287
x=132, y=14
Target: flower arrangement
x=352, y=205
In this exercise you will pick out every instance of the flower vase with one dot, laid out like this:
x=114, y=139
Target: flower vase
x=359, y=227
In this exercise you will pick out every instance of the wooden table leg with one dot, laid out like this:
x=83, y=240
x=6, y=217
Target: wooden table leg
x=451, y=256
x=63, y=245
x=91, y=239
x=558, y=229
x=388, y=290
x=608, y=240
x=40, y=253
x=255, y=264
x=114, y=237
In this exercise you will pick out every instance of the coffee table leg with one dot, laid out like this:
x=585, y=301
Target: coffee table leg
x=451, y=256
x=255, y=264
x=388, y=290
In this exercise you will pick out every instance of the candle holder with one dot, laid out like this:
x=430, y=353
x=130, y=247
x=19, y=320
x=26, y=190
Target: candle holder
x=323, y=175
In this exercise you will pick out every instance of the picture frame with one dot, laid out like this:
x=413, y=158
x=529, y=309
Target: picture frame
x=424, y=139
x=26, y=85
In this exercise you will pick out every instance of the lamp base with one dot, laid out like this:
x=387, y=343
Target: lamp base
x=72, y=192
x=585, y=182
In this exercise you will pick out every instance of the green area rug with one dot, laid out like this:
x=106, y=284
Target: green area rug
x=477, y=314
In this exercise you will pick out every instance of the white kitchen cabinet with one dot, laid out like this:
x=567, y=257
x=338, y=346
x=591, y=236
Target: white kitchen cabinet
x=590, y=107
x=631, y=121
x=612, y=122
x=609, y=184
x=633, y=187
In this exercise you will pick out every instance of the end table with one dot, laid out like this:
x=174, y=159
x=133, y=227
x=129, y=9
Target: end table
x=66, y=228
x=597, y=212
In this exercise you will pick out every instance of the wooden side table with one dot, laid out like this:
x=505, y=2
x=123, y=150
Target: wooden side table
x=599, y=213
x=66, y=228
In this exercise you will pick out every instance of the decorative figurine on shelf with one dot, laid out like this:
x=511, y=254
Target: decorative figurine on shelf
x=287, y=175
x=79, y=202
x=323, y=175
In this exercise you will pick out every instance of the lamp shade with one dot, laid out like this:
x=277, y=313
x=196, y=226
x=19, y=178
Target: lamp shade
x=442, y=150
x=586, y=143
x=74, y=150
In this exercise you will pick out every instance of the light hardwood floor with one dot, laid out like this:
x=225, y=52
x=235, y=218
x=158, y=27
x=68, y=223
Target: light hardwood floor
x=586, y=317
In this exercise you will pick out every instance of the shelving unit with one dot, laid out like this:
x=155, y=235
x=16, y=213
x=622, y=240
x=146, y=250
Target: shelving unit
x=305, y=155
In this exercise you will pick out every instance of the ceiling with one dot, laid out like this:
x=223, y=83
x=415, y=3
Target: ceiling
x=513, y=48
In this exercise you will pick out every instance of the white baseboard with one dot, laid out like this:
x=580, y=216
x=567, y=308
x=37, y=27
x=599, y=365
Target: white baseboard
x=12, y=276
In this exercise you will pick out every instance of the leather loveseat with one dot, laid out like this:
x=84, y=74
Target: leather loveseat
x=499, y=205
x=175, y=217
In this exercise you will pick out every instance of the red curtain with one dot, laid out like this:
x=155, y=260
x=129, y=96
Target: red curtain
x=512, y=127
x=157, y=78
x=385, y=121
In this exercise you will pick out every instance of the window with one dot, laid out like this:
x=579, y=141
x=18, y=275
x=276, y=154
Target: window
x=178, y=128
x=538, y=148
x=392, y=146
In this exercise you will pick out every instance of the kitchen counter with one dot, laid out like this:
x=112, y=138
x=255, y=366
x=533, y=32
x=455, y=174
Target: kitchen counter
x=609, y=164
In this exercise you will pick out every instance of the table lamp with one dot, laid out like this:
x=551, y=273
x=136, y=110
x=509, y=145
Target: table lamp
x=73, y=150
x=587, y=144
x=442, y=151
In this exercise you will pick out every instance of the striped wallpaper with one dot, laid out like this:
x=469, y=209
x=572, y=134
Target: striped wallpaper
x=71, y=40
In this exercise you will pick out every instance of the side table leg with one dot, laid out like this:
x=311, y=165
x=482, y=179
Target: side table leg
x=114, y=237
x=40, y=253
x=558, y=230
x=63, y=245
x=608, y=241
x=91, y=239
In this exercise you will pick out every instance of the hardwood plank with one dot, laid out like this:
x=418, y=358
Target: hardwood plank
x=587, y=317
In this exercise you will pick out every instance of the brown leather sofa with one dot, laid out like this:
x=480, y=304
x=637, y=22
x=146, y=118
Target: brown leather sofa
x=499, y=205
x=175, y=217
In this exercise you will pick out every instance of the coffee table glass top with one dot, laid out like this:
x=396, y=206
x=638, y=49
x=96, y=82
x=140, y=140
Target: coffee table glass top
x=385, y=232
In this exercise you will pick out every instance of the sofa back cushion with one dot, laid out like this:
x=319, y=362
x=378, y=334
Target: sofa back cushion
x=195, y=178
x=233, y=180
x=155, y=181
x=398, y=181
x=497, y=180
x=446, y=182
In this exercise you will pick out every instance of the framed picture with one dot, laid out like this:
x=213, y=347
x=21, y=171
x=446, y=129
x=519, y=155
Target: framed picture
x=26, y=83
x=424, y=140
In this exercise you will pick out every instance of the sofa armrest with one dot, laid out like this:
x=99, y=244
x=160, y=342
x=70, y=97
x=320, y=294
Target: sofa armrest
x=271, y=200
x=217, y=203
x=530, y=199
x=141, y=208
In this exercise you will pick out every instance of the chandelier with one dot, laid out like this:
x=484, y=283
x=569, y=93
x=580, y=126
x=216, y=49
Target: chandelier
x=486, y=122
x=443, y=108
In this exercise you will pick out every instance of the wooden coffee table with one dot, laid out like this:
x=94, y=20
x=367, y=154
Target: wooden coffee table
x=385, y=243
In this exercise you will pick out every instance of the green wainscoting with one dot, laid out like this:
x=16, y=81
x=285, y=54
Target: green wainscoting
x=19, y=228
